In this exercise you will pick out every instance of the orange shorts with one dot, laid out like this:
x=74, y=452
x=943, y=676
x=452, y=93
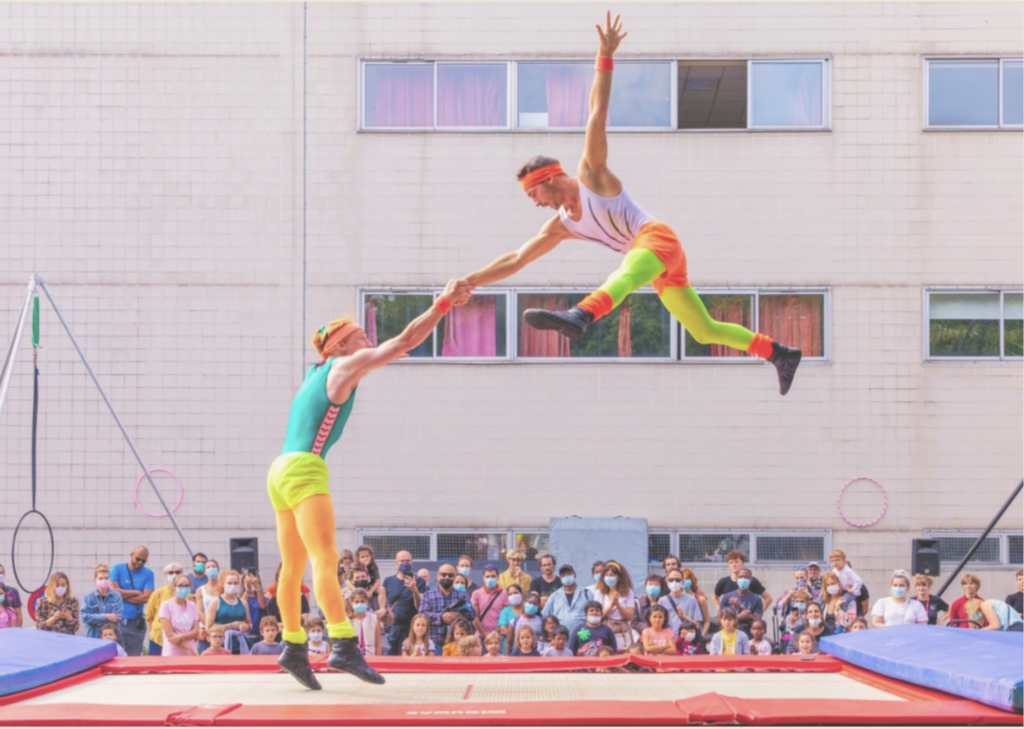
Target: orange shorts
x=664, y=243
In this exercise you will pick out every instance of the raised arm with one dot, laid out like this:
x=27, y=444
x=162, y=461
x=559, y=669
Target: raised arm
x=593, y=167
x=509, y=264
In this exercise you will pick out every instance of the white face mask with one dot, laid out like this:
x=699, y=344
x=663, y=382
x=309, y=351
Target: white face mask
x=232, y=589
x=60, y=590
x=690, y=636
x=814, y=622
x=833, y=589
x=594, y=619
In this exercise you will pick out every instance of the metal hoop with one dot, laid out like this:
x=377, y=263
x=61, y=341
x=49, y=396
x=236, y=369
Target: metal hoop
x=14, y=542
x=181, y=492
x=885, y=502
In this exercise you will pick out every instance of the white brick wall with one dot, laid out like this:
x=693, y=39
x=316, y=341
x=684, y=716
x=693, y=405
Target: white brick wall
x=151, y=170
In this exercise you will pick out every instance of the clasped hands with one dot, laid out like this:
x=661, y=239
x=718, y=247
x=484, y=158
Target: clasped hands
x=458, y=291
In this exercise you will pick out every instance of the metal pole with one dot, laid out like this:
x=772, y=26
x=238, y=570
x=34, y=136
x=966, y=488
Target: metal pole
x=113, y=412
x=981, y=539
x=12, y=351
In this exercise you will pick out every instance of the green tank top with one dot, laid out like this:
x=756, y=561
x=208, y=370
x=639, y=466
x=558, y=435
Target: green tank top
x=315, y=423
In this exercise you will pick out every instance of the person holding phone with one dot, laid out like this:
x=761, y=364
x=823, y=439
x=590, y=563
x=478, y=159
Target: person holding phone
x=404, y=592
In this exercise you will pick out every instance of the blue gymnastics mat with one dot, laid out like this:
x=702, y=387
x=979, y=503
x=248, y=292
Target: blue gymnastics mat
x=35, y=657
x=983, y=665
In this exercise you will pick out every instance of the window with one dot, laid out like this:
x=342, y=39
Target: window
x=478, y=330
x=974, y=93
x=386, y=546
x=975, y=324
x=792, y=549
x=441, y=545
x=997, y=549
x=659, y=546
x=534, y=544
x=711, y=546
x=639, y=328
x=796, y=319
x=479, y=546
x=646, y=94
x=759, y=547
x=1015, y=544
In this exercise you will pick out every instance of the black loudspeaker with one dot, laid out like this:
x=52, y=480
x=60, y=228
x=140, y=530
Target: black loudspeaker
x=245, y=553
x=925, y=558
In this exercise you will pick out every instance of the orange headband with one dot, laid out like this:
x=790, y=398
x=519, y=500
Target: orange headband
x=338, y=336
x=539, y=175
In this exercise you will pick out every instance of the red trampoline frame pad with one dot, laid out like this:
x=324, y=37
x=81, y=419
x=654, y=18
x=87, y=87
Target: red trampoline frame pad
x=922, y=706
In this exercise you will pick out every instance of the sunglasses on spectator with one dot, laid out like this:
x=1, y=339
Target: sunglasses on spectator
x=139, y=560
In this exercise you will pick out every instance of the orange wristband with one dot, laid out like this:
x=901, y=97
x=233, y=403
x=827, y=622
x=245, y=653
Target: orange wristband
x=442, y=304
x=604, y=63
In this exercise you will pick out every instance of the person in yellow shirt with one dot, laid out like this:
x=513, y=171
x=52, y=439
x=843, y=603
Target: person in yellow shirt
x=158, y=598
x=515, y=575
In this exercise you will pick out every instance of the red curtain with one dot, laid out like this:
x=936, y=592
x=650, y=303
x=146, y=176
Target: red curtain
x=625, y=338
x=536, y=342
x=568, y=95
x=794, y=321
x=728, y=309
x=470, y=96
x=405, y=97
x=470, y=330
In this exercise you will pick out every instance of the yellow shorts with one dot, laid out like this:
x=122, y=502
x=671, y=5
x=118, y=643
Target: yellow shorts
x=294, y=477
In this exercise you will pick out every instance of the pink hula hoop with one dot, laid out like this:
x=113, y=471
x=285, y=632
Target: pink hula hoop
x=885, y=502
x=181, y=492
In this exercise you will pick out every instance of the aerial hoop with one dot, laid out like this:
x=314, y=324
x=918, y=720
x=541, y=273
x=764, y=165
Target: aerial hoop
x=14, y=542
x=885, y=502
x=181, y=492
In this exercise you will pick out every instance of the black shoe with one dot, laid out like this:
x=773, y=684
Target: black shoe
x=345, y=657
x=786, y=360
x=295, y=659
x=572, y=323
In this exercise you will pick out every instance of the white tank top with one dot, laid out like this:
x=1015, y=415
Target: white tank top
x=610, y=221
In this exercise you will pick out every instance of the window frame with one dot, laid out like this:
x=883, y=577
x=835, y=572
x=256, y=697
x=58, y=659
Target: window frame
x=754, y=535
x=510, y=535
x=512, y=89
x=1004, y=546
x=926, y=323
x=926, y=96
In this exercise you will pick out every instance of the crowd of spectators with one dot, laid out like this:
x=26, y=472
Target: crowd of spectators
x=205, y=611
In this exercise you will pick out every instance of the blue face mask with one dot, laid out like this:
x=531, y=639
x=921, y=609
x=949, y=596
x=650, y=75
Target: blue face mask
x=687, y=584
x=182, y=592
x=597, y=577
x=743, y=583
x=464, y=571
x=569, y=580
x=360, y=607
x=801, y=606
x=459, y=587
x=899, y=591
x=530, y=609
x=3, y=596
x=212, y=573
x=200, y=568
x=801, y=583
x=653, y=590
x=491, y=582
x=611, y=580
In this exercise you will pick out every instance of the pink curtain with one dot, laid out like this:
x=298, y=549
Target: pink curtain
x=568, y=95
x=405, y=98
x=470, y=330
x=470, y=96
x=371, y=321
x=794, y=321
x=625, y=338
x=538, y=343
x=729, y=311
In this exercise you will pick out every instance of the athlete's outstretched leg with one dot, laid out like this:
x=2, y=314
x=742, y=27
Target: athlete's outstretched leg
x=686, y=306
x=295, y=656
x=315, y=520
x=639, y=268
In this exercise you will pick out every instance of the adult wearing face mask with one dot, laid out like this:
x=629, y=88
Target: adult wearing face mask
x=839, y=606
x=569, y=602
x=692, y=587
x=508, y=615
x=198, y=577
x=737, y=561
x=135, y=583
x=465, y=568
x=57, y=610
x=179, y=620
x=488, y=602
x=156, y=601
x=597, y=571
x=443, y=605
x=229, y=611
x=102, y=605
x=898, y=608
x=683, y=608
x=404, y=593
x=800, y=582
x=794, y=621
x=530, y=618
x=747, y=605
x=616, y=593
x=815, y=625
x=654, y=588
x=10, y=600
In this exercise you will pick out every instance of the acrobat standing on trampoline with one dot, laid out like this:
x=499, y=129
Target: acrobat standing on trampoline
x=298, y=488
x=594, y=206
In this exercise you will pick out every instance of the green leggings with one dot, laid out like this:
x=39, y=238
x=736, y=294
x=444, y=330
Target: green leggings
x=641, y=267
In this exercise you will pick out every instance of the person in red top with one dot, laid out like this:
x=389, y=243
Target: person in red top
x=971, y=585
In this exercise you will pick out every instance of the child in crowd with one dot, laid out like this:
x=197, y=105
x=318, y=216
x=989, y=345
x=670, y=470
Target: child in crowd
x=603, y=652
x=806, y=645
x=759, y=645
x=418, y=644
x=345, y=562
x=492, y=644
x=526, y=643
x=315, y=632
x=366, y=559
x=460, y=629
x=858, y=624
x=269, y=645
x=216, y=637
x=589, y=637
x=470, y=646
x=689, y=643
x=557, y=647
x=849, y=579
x=365, y=622
x=637, y=649
x=547, y=631
x=657, y=638
x=729, y=641
x=108, y=631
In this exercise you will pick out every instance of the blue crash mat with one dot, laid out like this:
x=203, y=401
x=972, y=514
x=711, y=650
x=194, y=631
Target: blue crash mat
x=36, y=657
x=982, y=665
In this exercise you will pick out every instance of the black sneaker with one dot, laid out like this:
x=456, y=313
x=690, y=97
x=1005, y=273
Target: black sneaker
x=295, y=659
x=786, y=360
x=345, y=656
x=572, y=323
